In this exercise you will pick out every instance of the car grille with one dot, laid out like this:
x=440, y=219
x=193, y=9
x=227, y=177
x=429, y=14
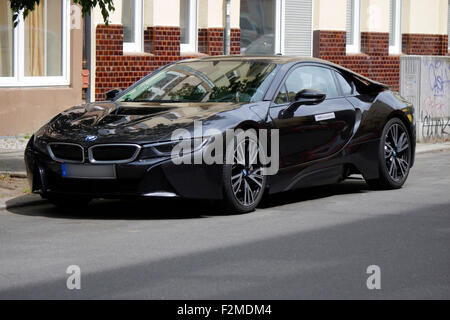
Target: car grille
x=66, y=152
x=113, y=153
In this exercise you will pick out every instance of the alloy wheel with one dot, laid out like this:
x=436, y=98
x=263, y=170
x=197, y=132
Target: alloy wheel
x=247, y=177
x=397, y=157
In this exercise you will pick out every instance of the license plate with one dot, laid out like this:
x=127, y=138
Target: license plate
x=87, y=171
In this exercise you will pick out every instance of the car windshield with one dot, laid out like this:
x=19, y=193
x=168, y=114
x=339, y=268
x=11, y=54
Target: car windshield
x=205, y=81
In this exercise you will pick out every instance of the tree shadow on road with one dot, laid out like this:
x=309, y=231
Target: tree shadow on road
x=162, y=209
x=411, y=248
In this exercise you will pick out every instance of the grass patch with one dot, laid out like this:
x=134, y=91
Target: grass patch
x=5, y=177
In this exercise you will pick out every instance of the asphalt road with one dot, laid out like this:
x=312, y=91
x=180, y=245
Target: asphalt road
x=312, y=243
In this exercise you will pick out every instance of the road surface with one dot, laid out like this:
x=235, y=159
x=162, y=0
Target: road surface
x=311, y=243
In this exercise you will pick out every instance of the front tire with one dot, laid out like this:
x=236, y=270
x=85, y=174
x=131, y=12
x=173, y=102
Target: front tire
x=244, y=181
x=394, y=156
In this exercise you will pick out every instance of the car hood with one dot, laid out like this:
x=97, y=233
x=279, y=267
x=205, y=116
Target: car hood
x=136, y=122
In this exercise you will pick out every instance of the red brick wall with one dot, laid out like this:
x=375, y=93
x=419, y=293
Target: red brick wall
x=202, y=45
x=373, y=62
x=425, y=44
x=235, y=41
x=210, y=41
x=114, y=69
x=329, y=45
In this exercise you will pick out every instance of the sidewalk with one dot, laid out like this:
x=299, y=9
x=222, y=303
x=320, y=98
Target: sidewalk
x=11, y=155
x=12, y=163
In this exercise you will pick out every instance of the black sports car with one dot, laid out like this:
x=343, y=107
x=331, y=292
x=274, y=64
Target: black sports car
x=323, y=123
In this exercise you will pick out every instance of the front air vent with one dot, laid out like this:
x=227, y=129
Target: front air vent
x=113, y=153
x=66, y=152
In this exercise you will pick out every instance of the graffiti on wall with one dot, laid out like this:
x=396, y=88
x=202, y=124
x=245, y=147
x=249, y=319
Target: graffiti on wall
x=438, y=128
x=435, y=98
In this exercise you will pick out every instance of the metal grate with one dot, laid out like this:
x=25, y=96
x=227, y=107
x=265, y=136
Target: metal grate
x=66, y=152
x=113, y=153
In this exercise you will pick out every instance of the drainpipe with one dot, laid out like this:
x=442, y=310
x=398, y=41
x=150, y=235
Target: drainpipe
x=227, y=32
x=87, y=52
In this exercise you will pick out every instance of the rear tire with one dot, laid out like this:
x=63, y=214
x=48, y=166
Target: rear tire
x=394, y=156
x=243, y=181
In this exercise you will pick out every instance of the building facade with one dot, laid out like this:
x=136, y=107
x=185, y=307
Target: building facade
x=40, y=65
x=367, y=36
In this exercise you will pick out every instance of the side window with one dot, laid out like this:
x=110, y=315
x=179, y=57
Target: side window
x=310, y=77
x=345, y=85
x=282, y=96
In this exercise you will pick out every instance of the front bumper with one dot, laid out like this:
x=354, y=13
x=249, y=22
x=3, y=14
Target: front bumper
x=141, y=178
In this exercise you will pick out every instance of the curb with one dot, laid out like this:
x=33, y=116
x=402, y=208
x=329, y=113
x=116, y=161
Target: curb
x=14, y=174
x=22, y=204
x=437, y=149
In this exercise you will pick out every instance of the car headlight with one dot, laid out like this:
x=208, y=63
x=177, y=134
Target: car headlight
x=165, y=149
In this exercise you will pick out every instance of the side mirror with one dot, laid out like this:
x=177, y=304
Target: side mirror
x=111, y=94
x=304, y=97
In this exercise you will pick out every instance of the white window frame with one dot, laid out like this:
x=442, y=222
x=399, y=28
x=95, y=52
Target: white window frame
x=279, y=27
x=448, y=25
x=396, y=47
x=356, y=46
x=193, y=13
x=19, y=79
x=137, y=45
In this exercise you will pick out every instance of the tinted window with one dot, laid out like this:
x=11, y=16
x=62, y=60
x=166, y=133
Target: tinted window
x=310, y=77
x=345, y=85
x=205, y=81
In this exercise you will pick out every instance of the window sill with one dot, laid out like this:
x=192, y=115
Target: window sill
x=142, y=54
x=356, y=54
x=35, y=87
x=193, y=54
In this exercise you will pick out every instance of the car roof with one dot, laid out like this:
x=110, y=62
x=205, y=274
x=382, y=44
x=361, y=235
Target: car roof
x=281, y=60
x=263, y=58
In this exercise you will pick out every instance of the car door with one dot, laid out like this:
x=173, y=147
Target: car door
x=313, y=131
